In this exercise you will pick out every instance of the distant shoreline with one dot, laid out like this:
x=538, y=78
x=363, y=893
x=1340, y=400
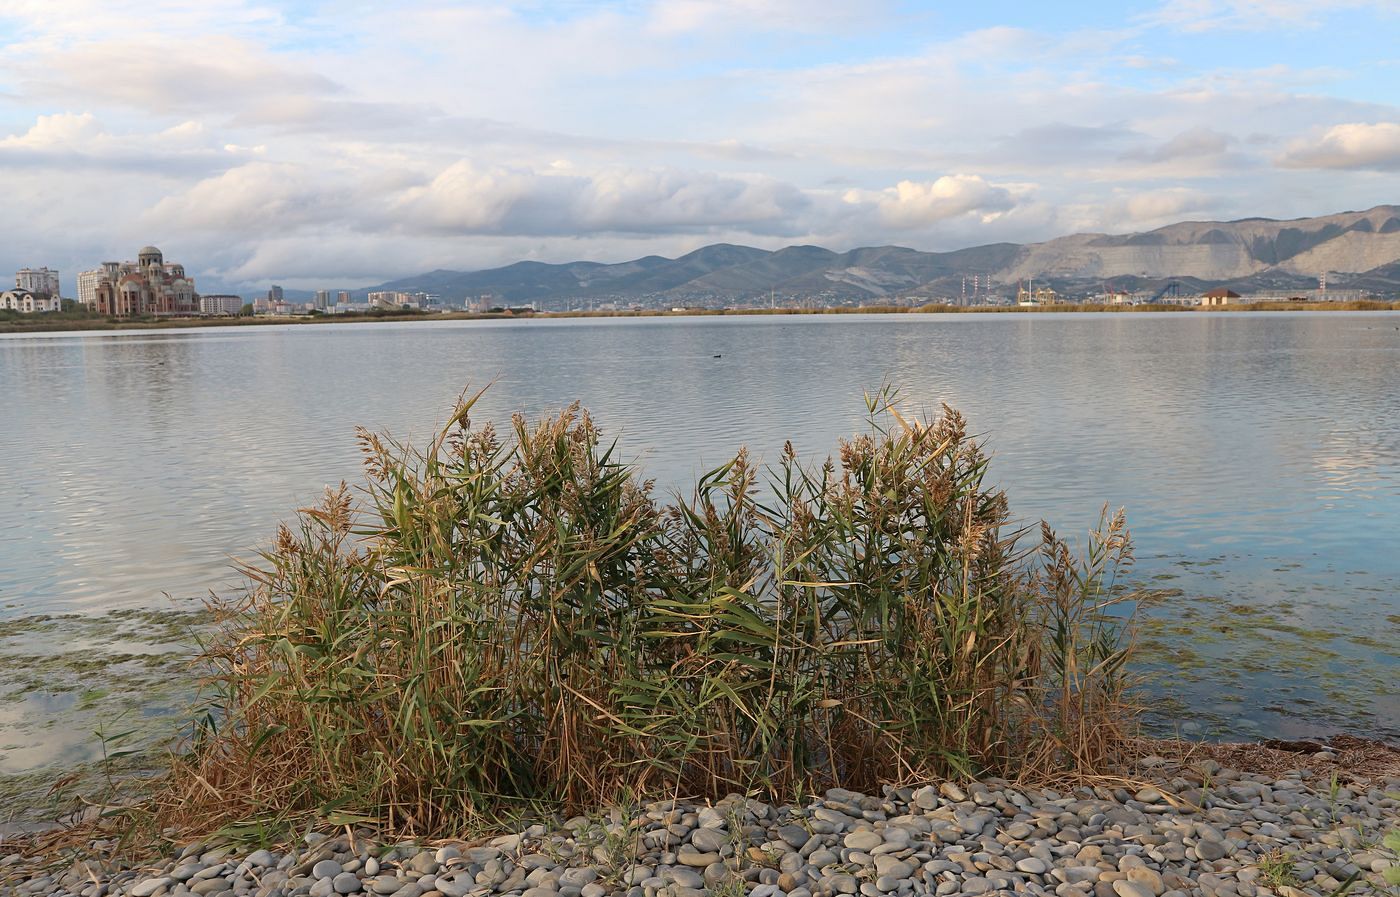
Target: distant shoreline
x=86, y=324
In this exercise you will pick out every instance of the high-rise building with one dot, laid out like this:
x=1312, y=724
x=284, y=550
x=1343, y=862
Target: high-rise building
x=274, y=294
x=323, y=299
x=88, y=281
x=342, y=298
x=220, y=305
x=38, y=280
x=148, y=286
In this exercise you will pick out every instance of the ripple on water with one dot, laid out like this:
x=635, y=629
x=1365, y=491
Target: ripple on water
x=139, y=463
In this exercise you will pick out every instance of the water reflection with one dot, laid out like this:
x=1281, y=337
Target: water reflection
x=1258, y=454
x=55, y=746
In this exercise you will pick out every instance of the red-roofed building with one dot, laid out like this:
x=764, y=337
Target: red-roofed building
x=1219, y=296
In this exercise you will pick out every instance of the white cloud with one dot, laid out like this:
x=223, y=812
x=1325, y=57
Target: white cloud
x=155, y=76
x=60, y=130
x=258, y=198
x=1199, y=145
x=911, y=204
x=277, y=139
x=468, y=198
x=673, y=17
x=65, y=141
x=1156, y=207
x=1129, y=211
x=335, y=213
x=51, y=21
x=1356, y=145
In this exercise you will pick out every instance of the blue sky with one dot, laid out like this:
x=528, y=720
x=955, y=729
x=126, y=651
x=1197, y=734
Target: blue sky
x=335, y=144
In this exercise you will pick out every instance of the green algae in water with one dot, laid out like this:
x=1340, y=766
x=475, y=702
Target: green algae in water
x=1236, y=642
x=68, y=680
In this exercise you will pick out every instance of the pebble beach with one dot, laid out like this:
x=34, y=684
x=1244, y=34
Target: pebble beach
x=1178, y=830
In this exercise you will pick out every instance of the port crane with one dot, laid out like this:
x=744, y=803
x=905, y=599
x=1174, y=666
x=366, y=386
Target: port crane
x=1171, y=291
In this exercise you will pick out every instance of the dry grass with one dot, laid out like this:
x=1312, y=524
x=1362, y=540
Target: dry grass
x=1355, y=758
x=517, y=618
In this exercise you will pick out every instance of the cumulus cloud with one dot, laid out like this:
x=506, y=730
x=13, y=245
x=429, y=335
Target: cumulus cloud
x=279, y=142
x=1357, y=145
x=284, y=203
x=68, y=141
x=469, y=198
x=61, y=130
x=911, y=204
x=1153, y=208
x=257, y=197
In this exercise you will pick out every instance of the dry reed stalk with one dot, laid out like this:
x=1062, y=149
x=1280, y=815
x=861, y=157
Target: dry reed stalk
x=518, y=619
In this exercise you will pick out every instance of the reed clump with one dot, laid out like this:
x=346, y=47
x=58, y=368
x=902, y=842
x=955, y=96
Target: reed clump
x=517, y=617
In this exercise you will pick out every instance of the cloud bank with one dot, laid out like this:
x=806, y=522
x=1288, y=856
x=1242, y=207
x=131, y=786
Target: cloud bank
x=314, y=144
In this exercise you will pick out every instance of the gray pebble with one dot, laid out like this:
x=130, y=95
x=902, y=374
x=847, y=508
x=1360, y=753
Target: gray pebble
x=326, y=869
x=1210, y=850
x=708, y=840
x=148, y=887
x=864, y=839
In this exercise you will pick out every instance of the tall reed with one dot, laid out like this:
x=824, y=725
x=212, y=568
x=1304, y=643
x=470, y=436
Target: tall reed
x=517, y=617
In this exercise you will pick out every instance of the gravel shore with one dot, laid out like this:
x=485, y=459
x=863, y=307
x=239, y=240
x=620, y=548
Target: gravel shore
x=1201, y=830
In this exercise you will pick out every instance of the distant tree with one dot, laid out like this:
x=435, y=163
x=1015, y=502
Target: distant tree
x=247, y=310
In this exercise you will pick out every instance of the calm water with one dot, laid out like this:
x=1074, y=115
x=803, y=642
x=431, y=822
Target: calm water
x=1258, y=456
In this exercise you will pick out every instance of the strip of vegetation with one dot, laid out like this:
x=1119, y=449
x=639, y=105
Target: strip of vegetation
x=52, y=322
x=517, y=618
x=81, y=319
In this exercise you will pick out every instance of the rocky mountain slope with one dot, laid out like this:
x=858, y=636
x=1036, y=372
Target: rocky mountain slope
x=1355, y=249
x=1349, y=242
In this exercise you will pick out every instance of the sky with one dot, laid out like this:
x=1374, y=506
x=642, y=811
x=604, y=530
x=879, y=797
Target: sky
x=327, y=145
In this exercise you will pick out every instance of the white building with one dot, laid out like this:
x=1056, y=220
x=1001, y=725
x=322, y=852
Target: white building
x=88, y=281
x=38, y=280
x=386, y=299
x=26, y=302
x=220, y=305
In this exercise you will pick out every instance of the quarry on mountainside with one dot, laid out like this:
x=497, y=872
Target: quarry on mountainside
x=1354, y=250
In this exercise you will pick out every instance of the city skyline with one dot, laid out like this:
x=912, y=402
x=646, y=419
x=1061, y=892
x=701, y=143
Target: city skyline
x=319, y=146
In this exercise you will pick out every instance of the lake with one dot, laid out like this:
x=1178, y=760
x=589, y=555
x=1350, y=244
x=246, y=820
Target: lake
x=1257, y=455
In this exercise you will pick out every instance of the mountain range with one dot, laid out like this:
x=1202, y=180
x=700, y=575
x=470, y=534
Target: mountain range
x=1356, y=250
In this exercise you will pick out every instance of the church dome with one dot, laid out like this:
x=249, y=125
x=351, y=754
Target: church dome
x=150, y=252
